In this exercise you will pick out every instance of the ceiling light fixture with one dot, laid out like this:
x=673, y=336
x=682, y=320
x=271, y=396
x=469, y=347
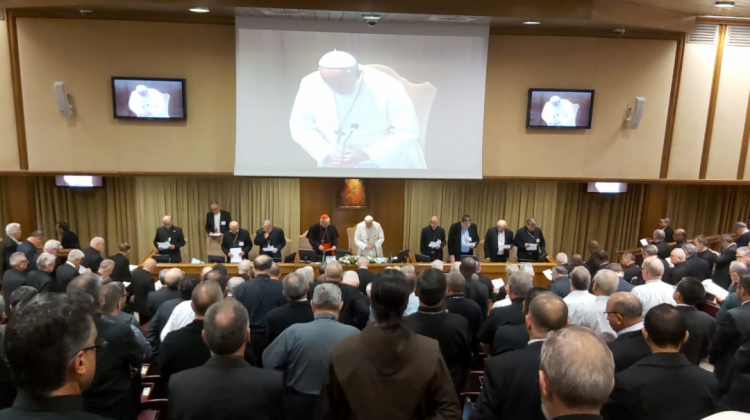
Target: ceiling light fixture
x=371, y=17
x=532, y=22
x=724, y=4
x=199, y=10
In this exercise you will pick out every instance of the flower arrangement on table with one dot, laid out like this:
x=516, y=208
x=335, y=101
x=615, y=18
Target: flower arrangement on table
x=352, y=260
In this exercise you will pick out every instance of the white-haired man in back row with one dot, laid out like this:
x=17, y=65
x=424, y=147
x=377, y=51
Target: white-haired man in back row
x=10, y=243
x=654, y=291
x=369, y=238
x=351, y=116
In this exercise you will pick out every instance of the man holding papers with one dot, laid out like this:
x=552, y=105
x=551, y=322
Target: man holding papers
x=462, y=238
x=432, y=241
x=236, y=243
x=169, y=239
x=530, y=242
x=271, y=240
x=497, y=242
x=369, y=238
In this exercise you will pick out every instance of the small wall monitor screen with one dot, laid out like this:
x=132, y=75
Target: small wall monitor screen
x=149, y=99
x=551, y=108
x=78, y=181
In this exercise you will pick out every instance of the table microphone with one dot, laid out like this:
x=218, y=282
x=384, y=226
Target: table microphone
x=352, y=130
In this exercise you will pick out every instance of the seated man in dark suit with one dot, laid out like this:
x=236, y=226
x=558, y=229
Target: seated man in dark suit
x=624, y=313
x=184, y=348
x=236, y=238
x=451, y=331
x=560, y=284
x=297, y=311
x=170, y=290
x=92, y=256
x=15, y=277
x=67, y=272
x=51, y=344
x=574, y=387
x=110, y=392
x=41, y=278
x=700, y=325
x=519, y=285
x=663, y=385
x=511, y=380
x=235, y=386
x=30, y=247
x=514, y=337
x=121, y=271
x=159, y=320
x=732, y=329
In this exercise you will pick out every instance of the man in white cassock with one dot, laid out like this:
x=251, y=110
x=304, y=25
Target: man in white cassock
x=148, y=103
x=559, y=113
x=369, y=238
x=347, y=116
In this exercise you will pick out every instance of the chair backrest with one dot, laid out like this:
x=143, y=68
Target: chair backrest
x=256, y=249
x=350, y=235
x=422, y=96
x=184, y=253
x=288, y=249
x=304, y=243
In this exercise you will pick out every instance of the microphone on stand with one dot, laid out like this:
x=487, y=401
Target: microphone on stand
x=352, y=130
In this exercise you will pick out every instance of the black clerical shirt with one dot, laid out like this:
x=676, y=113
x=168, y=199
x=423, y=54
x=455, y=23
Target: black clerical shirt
x=318, y=235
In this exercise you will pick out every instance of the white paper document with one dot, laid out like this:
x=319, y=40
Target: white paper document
x=471, y=244
x=214, y=234
x=548, y=274
x=532, y=247
x=126, y=284
x=162, y=245
x=268, y=248
x=132, y=267
x=236, y=257
x=715, y=289
x=644, y=242
x=158, y=285
x=669, y=261
x=81, y=270
x=435, y=244
x=498, y=284
x=196, y=261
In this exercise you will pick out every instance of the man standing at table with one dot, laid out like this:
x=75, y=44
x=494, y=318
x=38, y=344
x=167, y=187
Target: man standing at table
x=433, y=234
x=323, y=236
x=530, y=242
x=217, y=220
x=236, y=238
x=497, y=242
x=169, y=239
x=369, y=238
x=271, y=240
x=462, y=238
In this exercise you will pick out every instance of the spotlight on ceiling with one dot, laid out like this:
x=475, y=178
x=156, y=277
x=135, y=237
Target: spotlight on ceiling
x=532, y=22
x=199, y=10
x=724, y=4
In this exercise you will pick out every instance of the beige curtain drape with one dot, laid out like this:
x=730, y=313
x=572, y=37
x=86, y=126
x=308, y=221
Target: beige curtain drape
x=707, y=209
x=4, y=205
x=566, y=213
x=250, y=200
x=107, y=212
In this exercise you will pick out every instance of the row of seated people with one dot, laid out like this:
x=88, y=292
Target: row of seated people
x=298, y=337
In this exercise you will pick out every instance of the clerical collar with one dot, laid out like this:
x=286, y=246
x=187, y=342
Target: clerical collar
x=456, y=296
x=634, y=327
x=432, y=311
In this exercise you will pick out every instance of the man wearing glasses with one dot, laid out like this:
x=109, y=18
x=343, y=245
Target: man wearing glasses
x=52, y=345
x=624, y=314
x=109, y=394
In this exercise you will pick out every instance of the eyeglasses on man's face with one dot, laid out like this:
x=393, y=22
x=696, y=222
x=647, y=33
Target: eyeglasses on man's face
x=98, y=343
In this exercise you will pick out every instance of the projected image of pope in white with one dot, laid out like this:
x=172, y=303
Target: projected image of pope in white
x=351, y=116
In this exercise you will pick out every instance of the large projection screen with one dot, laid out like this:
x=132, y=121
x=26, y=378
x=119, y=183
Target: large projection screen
x=341, y=99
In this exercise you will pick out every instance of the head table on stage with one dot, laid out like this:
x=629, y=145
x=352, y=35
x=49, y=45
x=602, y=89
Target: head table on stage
x=491, y=270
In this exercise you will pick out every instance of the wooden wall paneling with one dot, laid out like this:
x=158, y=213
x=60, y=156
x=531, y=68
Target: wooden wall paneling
x=745, y=141
x=673, y=97
x=654, y=208
x=22, y=208
x=385, y=203
x=712, y=102
x=15, y=73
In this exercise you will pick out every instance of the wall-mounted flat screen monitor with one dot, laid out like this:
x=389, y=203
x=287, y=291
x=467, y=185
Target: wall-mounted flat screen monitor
x=149, y=98
x=608, y=187
x=78, y=181
x=559, y=108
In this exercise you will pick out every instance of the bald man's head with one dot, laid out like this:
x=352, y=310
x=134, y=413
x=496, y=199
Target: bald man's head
x=205, y=294
x=150, y=265
x=262, y=264
x=173, y=278
x=167, y=221
x=623, y=310
x=234, y=227
x=97, y=243
x=226, y=327
x=547, y=312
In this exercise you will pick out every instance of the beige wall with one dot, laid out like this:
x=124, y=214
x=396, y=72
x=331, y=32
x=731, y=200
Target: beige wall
x=618, y=69
x=86, y=54
x=8, y=139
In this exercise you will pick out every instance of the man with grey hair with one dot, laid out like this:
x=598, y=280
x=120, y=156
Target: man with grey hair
x=41, y=278
x=303, y=352
x=518, y=285
x=29, y=248
x=530, y=242
x=356, y=311
x=511, y=380
x=592, y=315
x=296, y=311
x=573, y=386
x=106, y=267
x=560, y=284
x=171, y=290
x=631, y=271
x=661, y=245
x=580, y=279
x=736, y=270
x=680, y=267
x=307, y=273
x=16, y=276
x=369, y=238
x=651, y=251
x=67, y=272
x=351, y=278
x=497, y=242
x=743, y=255
x=9, y=244
x=743, y=234
x=699, y=268
x=561, y=258
x=244, y=269
x=52, y=246
x=163, y=276
x=625, y=316
x=365, y=275
x=271, y=240
x=232, y=284
x=438, y=265
x=93, y=254
x=654, y=291
x=728, y=254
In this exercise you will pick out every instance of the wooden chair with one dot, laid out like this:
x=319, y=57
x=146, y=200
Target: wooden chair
x=157, y=409
x=352, y=246
x=304, y=243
